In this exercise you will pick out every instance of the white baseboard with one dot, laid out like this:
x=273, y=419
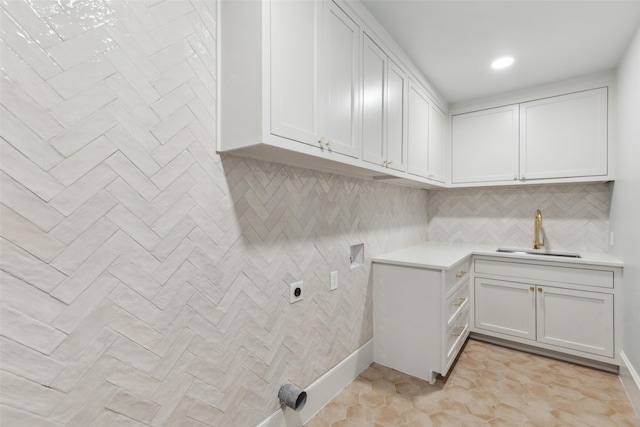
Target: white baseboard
x=631, y=382
x=325, y=388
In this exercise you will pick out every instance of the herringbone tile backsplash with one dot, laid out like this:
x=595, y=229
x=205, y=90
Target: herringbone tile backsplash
x=575, y=216
x=145, y=278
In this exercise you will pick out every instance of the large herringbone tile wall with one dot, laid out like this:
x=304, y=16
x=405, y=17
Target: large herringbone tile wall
x=145, y=278
x=575, y=216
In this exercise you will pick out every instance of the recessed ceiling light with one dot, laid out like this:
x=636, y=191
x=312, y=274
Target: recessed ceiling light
x=502, y=62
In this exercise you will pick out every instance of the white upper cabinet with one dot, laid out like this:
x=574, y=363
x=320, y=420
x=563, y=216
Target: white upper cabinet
x=314, y=73
x=559, y=138
x=374, y=72
x=301, y=83
x=426, y=136
x=396, y=117
x=484, y=145
x=418, y=132
x=564, y=136
x=295, y=31
x=383, y=109
x=437, y=144
x=319, y=84
x=340, y=81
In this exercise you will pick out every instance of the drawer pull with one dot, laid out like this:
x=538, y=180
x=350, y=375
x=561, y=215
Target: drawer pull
x=460, y=329
x=540, y=290
x=324, y=142
x=460, y=302
x=531, y=288
x=460, y=273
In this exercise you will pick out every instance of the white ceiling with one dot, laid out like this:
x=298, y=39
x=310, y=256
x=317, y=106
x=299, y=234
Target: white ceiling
x=454, y=42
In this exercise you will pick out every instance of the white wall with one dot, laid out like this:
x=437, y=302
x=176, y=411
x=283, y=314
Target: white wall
x=144, y=277
x=625, y=205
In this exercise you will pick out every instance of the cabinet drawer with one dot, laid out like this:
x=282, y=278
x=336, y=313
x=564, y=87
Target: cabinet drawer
x=456, y=333
x=536, y=273
x=456, y=275
x=457, y=301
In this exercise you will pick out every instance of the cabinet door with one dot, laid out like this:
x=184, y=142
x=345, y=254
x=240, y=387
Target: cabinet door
x=340, y=81
x=576, y=320
x=396, y=117
x=564, y=136
x=418, y=132
x=374, y=69
x=293, y=72
x=485, y=145
x=437, y=144
x=505, y=307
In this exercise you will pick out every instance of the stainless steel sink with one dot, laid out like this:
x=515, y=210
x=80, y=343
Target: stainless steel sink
x=539, y=252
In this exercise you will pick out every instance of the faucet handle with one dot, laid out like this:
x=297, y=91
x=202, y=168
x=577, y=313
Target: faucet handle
x=537, y=230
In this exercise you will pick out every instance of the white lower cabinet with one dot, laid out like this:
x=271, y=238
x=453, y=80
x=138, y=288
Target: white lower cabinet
x=577, y=320
x=559, y=307
x=505, y=307
x=420, y=317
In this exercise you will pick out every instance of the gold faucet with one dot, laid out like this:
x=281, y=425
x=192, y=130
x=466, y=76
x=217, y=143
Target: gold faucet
x=537, y=228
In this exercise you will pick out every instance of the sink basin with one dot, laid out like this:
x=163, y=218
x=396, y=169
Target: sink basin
x=539, y=252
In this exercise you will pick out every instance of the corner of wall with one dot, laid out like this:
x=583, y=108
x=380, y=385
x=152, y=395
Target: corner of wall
x=631, y=382
x=625, y=206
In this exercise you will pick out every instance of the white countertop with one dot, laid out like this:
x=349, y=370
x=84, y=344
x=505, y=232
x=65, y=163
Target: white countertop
x=444, y=256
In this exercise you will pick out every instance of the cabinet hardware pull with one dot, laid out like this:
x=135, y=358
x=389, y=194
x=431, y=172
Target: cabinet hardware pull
x=389, y=162
x=384, y=163
x=532, y=288
x=515, y=177
x=324, y=142
x=460, y=273
x=460, y=302
x=460, y=330
x=540, y=290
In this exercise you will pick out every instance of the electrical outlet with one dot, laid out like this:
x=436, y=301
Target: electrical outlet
x=334, y=280
x=295, y=292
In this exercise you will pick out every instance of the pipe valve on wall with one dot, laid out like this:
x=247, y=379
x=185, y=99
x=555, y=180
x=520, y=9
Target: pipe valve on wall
x=292, y=396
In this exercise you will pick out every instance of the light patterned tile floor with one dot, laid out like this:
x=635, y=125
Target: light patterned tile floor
x=488, y=386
